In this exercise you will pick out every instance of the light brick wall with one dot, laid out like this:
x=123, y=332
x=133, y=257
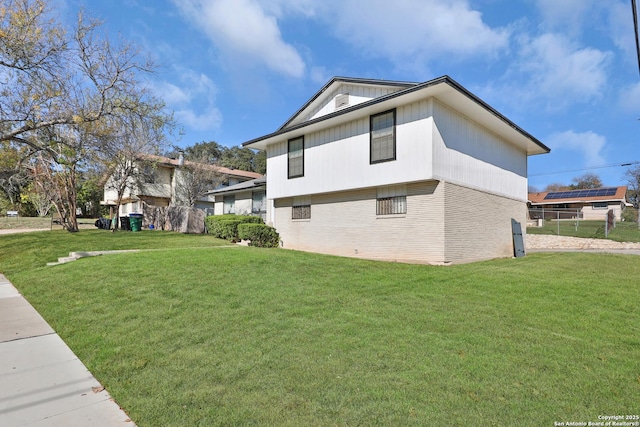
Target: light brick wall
x=478, y=224
x=346, y=224
x=444, y=223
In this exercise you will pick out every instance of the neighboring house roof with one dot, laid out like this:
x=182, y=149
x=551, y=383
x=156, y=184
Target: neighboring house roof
x=221, y=169
x=445, y=89
x=606, y=194
x=243, y=186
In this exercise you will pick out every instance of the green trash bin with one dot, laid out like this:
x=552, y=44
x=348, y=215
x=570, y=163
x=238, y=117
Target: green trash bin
x=135, y=221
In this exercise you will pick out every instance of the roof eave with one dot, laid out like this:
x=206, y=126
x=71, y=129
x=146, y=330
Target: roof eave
x=522, y=138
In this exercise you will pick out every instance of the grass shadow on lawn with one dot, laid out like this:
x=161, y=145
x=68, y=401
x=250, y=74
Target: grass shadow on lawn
x=244, y=336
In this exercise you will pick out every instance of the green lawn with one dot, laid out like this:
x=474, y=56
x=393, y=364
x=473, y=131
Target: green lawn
x=199, y=333
x=623, y=232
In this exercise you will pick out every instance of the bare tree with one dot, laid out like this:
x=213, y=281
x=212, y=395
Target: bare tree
x=193, y=180
x=632, y=175
x=56, y=168
x=51, y=78
x=556, y=186
x=586, y=181
x=63, y=94
x=127, y=143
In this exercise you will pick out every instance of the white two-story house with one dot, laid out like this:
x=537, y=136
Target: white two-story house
x=417, y=172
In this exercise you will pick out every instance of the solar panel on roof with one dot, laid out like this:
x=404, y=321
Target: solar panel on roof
x=593, y=192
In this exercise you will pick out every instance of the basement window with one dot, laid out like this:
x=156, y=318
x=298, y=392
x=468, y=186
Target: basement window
x=391, y=200
x=301, y=212
x=391, y=205
x=301, y=208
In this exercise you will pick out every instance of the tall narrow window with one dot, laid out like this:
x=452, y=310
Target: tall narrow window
x=296, y=157
x=383, y=137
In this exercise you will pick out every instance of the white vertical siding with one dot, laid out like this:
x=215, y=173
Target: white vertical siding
x=337, y=158
x=468, y=154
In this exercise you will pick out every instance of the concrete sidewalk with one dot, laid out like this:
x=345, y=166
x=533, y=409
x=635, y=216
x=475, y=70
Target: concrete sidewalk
x=42, y=383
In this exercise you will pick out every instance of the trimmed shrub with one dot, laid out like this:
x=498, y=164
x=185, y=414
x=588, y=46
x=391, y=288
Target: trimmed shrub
x=226, y=226
x=260, y=235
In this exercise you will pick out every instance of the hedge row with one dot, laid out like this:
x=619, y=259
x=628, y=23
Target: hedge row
x=226, y=226
x=260, y=235
x=242, y=227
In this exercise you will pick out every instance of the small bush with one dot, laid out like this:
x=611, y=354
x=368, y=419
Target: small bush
x=226, y=226
x=260, y=235
x=630, y=215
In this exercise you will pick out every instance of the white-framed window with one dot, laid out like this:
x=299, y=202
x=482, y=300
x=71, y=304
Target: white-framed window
x=301, y=208
x=295, y=153
x=391, y=200
x=229, y=204
x=382, y=137
x=599, y=205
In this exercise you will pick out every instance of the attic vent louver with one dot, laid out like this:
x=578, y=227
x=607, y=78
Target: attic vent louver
x=342, y=100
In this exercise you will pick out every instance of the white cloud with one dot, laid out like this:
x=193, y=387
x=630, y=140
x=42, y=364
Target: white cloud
x=203, y=120
x=589, y=144
x=399, y=30
x=558, y=69
x=172, y=94
x=320, y=75
x=567, y=15
x=630, y=99
x=551, y=72
x=621, y=30
x=193, y=99
x=244, y=31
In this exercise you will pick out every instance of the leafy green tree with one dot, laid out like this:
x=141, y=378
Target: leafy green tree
x=34, y=202
x=231, y=157
x=89, y=194
x=208, y=152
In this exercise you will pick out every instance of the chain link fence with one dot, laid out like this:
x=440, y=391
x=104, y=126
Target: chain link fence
x=572, y=222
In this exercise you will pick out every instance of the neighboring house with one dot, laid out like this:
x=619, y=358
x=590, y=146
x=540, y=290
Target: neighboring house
x=588, y=204
x=245, y=198
x=419, y=172
x=161, y=184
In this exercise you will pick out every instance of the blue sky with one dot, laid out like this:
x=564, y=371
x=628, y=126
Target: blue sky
x=564, y=70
